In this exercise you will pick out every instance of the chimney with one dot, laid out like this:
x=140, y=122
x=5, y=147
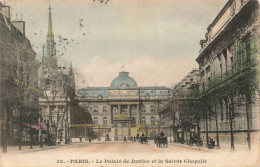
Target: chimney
x=20, y=25
x=5, y=10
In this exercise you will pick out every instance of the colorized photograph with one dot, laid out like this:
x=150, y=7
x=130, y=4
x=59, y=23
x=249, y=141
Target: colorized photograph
x=138, y=83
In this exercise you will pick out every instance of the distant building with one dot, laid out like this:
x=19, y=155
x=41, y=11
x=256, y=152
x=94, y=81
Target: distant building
x=124, y=109
x=179, y=127
x=18, y=80
x=55, y=84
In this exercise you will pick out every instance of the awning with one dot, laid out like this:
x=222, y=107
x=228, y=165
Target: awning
x=36, y=126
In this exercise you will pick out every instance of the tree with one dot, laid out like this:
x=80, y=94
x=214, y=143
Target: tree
x=30, y=115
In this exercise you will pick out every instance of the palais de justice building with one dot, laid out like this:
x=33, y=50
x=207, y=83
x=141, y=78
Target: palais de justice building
x=124, y=109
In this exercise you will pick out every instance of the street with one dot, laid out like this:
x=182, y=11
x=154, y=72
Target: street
x=131, y=153
x=120, y=147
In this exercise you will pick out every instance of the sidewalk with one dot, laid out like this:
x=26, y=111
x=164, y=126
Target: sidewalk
x=25, y=149
x=226, y=147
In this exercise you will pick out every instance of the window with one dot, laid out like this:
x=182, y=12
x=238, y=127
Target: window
x=225, y=58
x=233, y=8
x=143, y=108
x=95, y=120
x=104, y=108
x=152, y=120
x=114, y=109
x=152, y=108
x=133, y=109
x=105, y=121
x=124, y=110
x=133, y=120
x=95, y=108
x=208, y=69
x=16, y=113
x=143, y=120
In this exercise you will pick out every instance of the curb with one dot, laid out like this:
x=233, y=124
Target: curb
x=39, y=149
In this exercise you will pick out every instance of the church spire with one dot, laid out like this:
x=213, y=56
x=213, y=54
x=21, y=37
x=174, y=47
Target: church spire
x=50, y=31
x=50, y=44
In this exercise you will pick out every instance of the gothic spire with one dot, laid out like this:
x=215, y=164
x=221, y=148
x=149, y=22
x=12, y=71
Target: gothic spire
x=50, y=31
x=50, y=44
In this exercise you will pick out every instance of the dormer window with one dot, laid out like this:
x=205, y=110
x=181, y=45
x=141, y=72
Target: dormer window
x=95, y=108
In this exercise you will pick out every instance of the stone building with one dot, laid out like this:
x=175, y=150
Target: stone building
x=176, y=126
x=56, y=84
x=124, y=109
x=228, y=64
x=18, y=79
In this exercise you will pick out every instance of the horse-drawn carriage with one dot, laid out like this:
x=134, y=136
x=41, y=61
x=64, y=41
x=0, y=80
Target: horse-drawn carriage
x=143, y=139
x=161, y=141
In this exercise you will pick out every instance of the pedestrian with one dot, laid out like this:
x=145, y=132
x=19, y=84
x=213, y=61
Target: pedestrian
x=125, y=141
x=89, y=139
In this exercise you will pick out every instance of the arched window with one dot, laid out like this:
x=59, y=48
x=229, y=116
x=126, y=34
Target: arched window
x=143, y=120
x=152, y=120
x=96, y=121
x=105, y=120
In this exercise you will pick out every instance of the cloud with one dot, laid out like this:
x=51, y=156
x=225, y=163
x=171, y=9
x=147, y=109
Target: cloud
x=146, y=70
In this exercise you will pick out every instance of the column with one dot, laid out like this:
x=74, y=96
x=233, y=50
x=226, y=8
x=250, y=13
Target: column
x=110, y=113
x=138, y=120
x=119, y=109
x=229, y=55
x=128, y=111
x=223, y=62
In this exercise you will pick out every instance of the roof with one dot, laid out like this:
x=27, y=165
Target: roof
x=123, y=80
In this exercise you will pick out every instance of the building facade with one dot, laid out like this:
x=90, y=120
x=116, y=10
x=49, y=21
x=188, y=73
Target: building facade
x=229, y=70
x=174, y=118
x=56, y=85
x=124, y=109
x=18, y=80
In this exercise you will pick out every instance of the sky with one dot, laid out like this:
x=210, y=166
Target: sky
x=156, y=41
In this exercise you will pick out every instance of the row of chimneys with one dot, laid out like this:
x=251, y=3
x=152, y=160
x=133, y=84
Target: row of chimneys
x=20, y=25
